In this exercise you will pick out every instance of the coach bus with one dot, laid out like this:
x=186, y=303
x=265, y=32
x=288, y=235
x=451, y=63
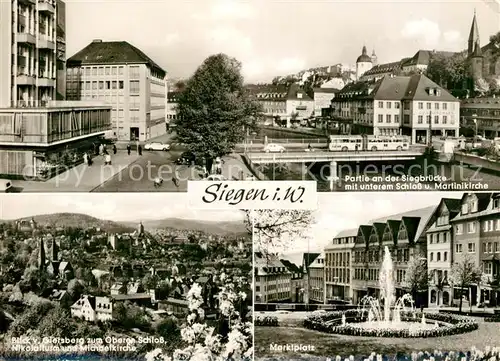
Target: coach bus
x=349, y=143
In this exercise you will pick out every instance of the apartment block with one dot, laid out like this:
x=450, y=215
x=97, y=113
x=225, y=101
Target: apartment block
x=125, y=78
x=338, y=275
x=397, y=105
x=29, y=52
x=272, y=279
x=440, y=253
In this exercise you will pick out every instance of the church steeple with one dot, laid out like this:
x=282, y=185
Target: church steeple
x=374, y=57
x=54, y=251
x=41, y=254
x=474, y=39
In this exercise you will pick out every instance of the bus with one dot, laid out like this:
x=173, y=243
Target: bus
x=346, y=143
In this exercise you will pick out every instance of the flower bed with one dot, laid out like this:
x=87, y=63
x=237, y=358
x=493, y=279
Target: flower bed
x=331, y=322
x=495, y=318
x=271, y=321
x=489, y=354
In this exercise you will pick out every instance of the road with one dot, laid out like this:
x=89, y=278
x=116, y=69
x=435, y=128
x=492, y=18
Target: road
x=139, y=176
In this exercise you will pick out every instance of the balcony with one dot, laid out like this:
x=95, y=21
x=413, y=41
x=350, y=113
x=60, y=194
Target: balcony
x=45, y=82
x=21, y=20
x=45, y=6
x=44, y=43
x=23, y=79
x=26, y=38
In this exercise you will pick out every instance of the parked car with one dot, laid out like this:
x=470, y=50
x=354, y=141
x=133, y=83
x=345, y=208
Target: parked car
x=186, y=158
x=274, y=148
x=157, y=146
x=5, y=186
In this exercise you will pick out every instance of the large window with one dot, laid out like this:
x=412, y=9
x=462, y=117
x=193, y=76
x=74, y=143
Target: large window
x=134, y=86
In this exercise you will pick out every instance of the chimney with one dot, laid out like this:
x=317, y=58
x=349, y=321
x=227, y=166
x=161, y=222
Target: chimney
x=97, y=41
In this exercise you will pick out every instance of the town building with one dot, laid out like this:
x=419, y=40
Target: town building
x=39, y=142
x=405, y=236
x=338, y=276
x=323, y=100
x=476, y=235
x=125, y=78
x=273, y=99
x=272, y=279
x=481, y=116
x=413, y=105
x=440, y=253
x=297, y=281
x=93, y=309
x=420, y=61
x=381, y=70
x=299, y=106
x=307, y=259
x=29, y=55
x=317, y=280
x=172, y=108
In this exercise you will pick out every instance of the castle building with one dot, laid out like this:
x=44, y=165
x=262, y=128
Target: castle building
x=363, y=64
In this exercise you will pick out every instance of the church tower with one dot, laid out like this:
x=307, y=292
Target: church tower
x=476, y=59
x=363, y=64
x=374, y=58
x=474, y=39
x=41, y=254
x=54, y=251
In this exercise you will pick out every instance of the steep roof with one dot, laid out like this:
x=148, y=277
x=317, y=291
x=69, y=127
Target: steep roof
x=418, y=90
x=384, y=68
x=292, y=267
x=364, y=230
x=411, y=224
x=452, y=204
x=393, y=226
x=309, y=258
x=112, y=52
x=425, y=215
x=423, y=57
x=391, y=88
x=379, y=228
x=295, y=91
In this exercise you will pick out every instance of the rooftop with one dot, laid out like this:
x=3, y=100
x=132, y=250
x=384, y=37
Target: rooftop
x=112, y=52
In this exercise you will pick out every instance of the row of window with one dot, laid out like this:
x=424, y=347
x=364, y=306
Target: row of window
x=338, y=259
x=134, y=71
x=471, y=247
x=338, y=275
x=107, y=85
x=420, y=119
x=442, y=237
x=438, y=257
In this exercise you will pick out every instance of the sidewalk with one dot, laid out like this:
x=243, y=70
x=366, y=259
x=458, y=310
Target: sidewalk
x=82, y=178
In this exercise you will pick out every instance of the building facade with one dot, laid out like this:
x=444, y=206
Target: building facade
x=317, y=280
x=122, y=76
x=481, y=115
x=29, y=52
x=272, y=280
x=35, y=142
x=323, y=99
x=440, y=253
x=398, y=105
x=93, y=309
x=338, y=263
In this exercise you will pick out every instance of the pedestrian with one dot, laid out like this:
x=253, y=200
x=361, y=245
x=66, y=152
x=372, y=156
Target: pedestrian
x=89, y=160
x=139, y=149
x=114, y=148
x=96, y=149
x=101, y=149
x=85, y=158
x=129, y=148
x=158, y=182
x=107, y=159
x=309, y=147
x=175, y=181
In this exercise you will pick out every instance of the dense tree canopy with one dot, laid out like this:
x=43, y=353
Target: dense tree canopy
x=215, y=108
x=451, y=72
x=464, y=273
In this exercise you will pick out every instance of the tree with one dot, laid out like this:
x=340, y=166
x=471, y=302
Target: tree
x=416, y=277
x=451, y=72
x=464, y=273
x=75, y=289
x=274, y=229
x=215, y=109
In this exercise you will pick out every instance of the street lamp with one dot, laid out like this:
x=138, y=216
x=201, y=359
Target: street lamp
x=474, y=119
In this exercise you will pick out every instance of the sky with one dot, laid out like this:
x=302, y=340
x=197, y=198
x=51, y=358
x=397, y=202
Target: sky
x=343, y=211
x=109, y=206
x=277, y=37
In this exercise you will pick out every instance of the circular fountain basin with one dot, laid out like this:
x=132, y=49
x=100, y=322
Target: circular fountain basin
x=393, y=326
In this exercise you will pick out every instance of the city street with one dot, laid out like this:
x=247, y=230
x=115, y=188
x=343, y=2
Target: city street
x=139, y=176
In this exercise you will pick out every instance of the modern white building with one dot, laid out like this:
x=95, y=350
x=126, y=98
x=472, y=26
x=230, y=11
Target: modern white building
x=29, y=52
x=272, y=280
x=128, y=80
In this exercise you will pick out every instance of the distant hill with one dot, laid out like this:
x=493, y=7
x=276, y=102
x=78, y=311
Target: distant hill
x=76, y=220
x=85, y=221
x=221, y=228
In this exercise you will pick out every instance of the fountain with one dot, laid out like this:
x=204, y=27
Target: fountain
x=388, y=314
x=389, y=317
